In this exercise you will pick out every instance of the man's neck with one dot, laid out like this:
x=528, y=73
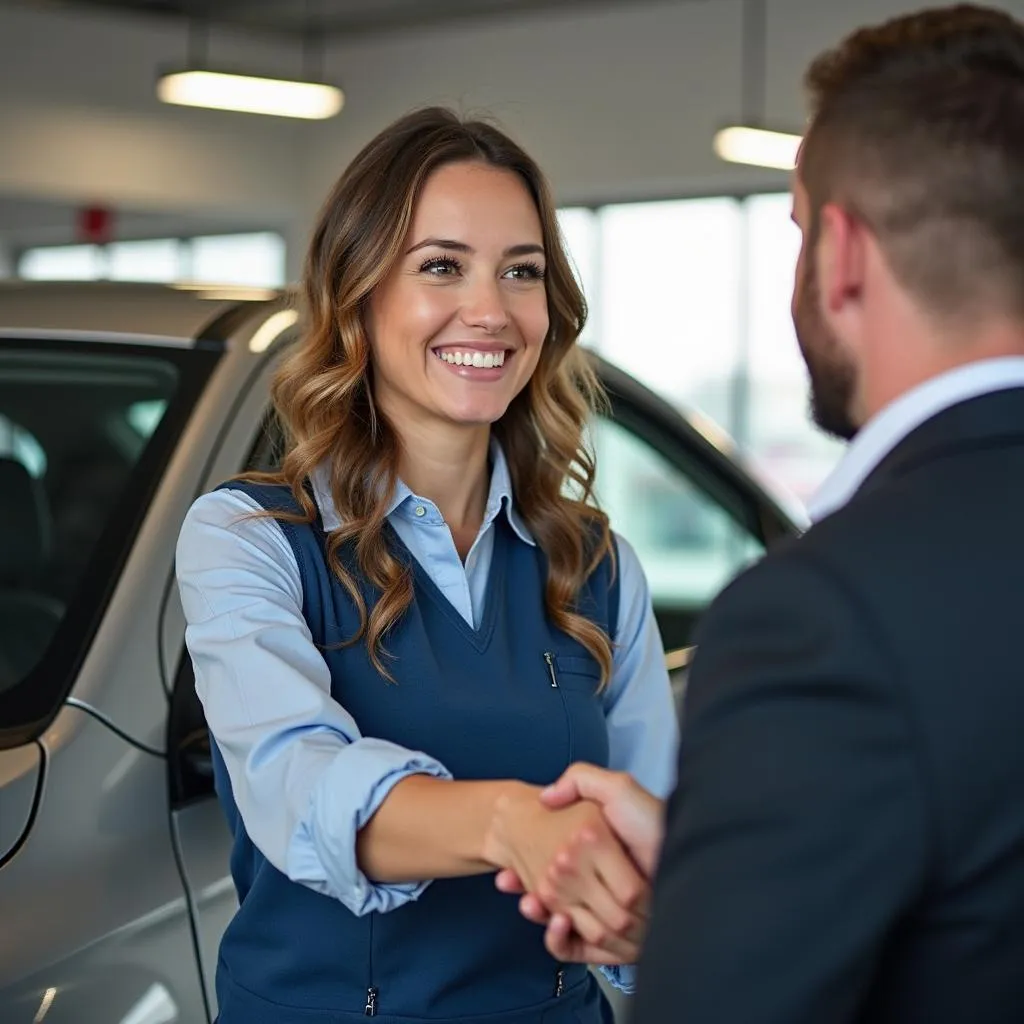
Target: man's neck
x=929, y=358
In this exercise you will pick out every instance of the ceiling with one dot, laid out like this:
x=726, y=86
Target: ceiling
x=338, y=18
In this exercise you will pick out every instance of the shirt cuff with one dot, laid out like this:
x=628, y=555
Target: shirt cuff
x=342, y=803
x=622, y=977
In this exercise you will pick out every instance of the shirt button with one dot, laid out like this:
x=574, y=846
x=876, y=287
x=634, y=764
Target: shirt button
x=420, y=511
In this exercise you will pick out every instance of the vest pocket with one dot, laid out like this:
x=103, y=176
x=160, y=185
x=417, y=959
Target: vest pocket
x=576, y=673
x=578, y=680
x=552, y=662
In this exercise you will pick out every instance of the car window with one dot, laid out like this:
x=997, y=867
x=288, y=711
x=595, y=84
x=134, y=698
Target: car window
x=84, y=432
x=689, y=544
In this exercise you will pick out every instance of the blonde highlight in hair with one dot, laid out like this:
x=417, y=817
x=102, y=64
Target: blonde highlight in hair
x=323, y=391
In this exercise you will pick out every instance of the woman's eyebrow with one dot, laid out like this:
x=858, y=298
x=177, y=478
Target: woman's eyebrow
x=524, y=249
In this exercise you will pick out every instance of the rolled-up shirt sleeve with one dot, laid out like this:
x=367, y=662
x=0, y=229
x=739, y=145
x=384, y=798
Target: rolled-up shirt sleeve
x=303, y=777
x=643, y=729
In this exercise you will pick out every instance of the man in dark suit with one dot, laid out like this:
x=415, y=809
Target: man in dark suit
x=846, y=841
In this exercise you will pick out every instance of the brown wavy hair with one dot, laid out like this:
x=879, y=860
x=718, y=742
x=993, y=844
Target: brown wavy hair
x=323, y=392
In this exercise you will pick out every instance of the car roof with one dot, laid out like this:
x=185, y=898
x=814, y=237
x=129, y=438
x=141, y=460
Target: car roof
x=155, y=312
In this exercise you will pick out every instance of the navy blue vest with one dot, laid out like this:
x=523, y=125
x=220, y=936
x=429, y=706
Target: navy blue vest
x=515, y=698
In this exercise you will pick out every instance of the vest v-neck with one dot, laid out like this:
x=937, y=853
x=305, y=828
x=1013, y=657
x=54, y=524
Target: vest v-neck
x=478, y=636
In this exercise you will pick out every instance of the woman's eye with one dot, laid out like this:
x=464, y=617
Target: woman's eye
x=526, y=272
x=441, y=266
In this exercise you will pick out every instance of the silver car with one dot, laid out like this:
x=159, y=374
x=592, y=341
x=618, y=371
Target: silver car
x=118, y=406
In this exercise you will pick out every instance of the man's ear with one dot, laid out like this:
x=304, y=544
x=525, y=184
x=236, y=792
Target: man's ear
x=841, y=253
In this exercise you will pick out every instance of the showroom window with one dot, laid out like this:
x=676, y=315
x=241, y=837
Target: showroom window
x=251, y=258
x=692, y=297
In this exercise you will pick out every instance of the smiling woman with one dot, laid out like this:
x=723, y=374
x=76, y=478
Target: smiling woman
x=412, y=626
x=458, y=251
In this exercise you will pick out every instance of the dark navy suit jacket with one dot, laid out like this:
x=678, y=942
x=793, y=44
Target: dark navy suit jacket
x=846, y=842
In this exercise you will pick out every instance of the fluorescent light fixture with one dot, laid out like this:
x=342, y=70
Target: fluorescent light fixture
x=758, y=146
x=279, y=97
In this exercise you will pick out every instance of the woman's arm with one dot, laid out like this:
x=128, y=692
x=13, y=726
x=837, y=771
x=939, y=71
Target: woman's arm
x=304, y=778
x=432, y=828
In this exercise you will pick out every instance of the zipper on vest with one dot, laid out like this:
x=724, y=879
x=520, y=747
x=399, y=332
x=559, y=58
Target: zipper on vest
x=370, y=1009
x=559, y=983
x=549, y=659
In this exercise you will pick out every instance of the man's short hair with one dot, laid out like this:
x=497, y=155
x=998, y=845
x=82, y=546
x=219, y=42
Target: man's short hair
x=917, y=128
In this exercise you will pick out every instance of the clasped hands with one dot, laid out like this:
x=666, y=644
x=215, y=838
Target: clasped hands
x=581, y=853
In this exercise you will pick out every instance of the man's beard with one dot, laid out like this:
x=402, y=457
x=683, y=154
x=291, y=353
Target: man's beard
x=832, y=374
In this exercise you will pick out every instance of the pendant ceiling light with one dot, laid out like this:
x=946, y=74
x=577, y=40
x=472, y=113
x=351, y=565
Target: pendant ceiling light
x=201, y=85
x=751, y=141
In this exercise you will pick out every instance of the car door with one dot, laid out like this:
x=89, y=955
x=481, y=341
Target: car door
x=95, y=925
x=694, y=516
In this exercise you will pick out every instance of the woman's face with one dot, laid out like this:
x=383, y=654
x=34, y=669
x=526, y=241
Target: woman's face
x=456, y=328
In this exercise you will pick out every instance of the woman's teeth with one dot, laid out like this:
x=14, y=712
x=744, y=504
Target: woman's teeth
x=484, y=360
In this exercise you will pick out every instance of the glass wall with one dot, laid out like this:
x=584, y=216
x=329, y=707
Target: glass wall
x=252, y=258
x=692, y=297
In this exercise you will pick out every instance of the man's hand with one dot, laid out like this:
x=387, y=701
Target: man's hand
x=634, y=815
x=571, y=859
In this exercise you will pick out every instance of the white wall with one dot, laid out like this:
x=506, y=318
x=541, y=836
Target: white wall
x=615, y=102
x=79, y=119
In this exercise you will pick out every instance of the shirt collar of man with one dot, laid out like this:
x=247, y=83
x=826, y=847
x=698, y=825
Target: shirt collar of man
x=896, y=421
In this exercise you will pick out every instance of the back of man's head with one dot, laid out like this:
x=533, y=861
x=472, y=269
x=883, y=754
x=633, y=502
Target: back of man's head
x=917, y=128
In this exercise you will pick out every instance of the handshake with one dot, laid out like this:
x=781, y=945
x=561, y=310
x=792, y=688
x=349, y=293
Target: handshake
x=582, y=854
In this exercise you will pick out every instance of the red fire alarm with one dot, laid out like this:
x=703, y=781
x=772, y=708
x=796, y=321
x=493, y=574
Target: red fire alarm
x=95, y=224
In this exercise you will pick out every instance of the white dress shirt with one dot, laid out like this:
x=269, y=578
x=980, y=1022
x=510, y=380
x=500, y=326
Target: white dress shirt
x=881, y=434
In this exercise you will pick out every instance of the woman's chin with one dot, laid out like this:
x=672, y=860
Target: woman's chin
x=475, y=414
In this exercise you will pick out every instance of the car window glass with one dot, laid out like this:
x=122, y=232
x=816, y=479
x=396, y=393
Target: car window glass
x=690, y=547
x=144, y=417
x=77, y=423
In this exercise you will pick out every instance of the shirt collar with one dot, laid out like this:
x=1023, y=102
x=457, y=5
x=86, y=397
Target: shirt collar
x=901, y=417
x=405, y=503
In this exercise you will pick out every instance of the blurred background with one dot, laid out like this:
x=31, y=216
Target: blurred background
x=686, y=259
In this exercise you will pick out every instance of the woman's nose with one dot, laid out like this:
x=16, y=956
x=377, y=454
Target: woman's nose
x=484, y=307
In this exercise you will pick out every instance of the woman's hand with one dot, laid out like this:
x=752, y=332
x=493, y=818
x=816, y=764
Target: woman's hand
x=571, y=860
x=634, y=815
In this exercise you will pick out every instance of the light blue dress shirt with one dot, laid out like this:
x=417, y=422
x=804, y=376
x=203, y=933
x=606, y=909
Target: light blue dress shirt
x=304, y=778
